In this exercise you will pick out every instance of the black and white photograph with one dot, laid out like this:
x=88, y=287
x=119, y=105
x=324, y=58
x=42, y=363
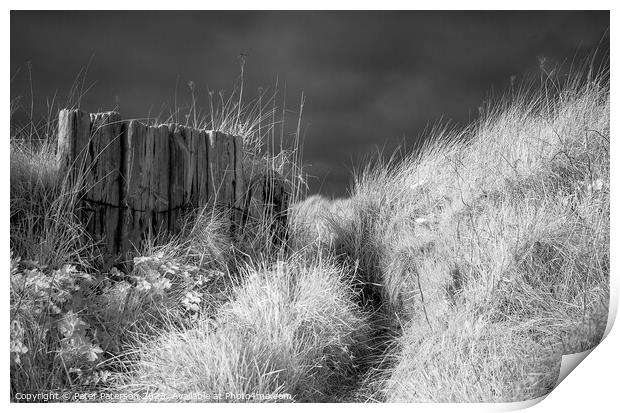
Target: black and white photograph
x=306, y=206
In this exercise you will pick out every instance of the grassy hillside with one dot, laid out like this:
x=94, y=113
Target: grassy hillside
x=460, y=273
x=491, y=249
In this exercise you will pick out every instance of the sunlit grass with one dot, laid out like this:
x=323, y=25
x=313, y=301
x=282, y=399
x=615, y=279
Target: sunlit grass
x=491, y=248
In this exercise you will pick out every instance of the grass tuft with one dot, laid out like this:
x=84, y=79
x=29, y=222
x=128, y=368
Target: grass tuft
x=291, y=328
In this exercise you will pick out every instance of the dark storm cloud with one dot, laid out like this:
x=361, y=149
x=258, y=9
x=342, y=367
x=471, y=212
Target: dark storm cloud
x=373, y=80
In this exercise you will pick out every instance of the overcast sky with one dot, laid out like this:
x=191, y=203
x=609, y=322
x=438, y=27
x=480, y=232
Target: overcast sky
x=372, y=80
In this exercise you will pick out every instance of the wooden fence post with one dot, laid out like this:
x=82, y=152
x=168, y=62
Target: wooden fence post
x=89, y=146
x=138, y=179
x=102, y=179
x=137, y=168
x=73, y=132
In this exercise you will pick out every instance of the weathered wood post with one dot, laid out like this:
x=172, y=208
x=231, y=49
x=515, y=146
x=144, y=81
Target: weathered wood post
x=73, y=128
x=138, y=179
x=90, y=147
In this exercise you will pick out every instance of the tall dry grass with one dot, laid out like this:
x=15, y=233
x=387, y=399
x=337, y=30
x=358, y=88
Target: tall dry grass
x=43, y=225
x=490, y=248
